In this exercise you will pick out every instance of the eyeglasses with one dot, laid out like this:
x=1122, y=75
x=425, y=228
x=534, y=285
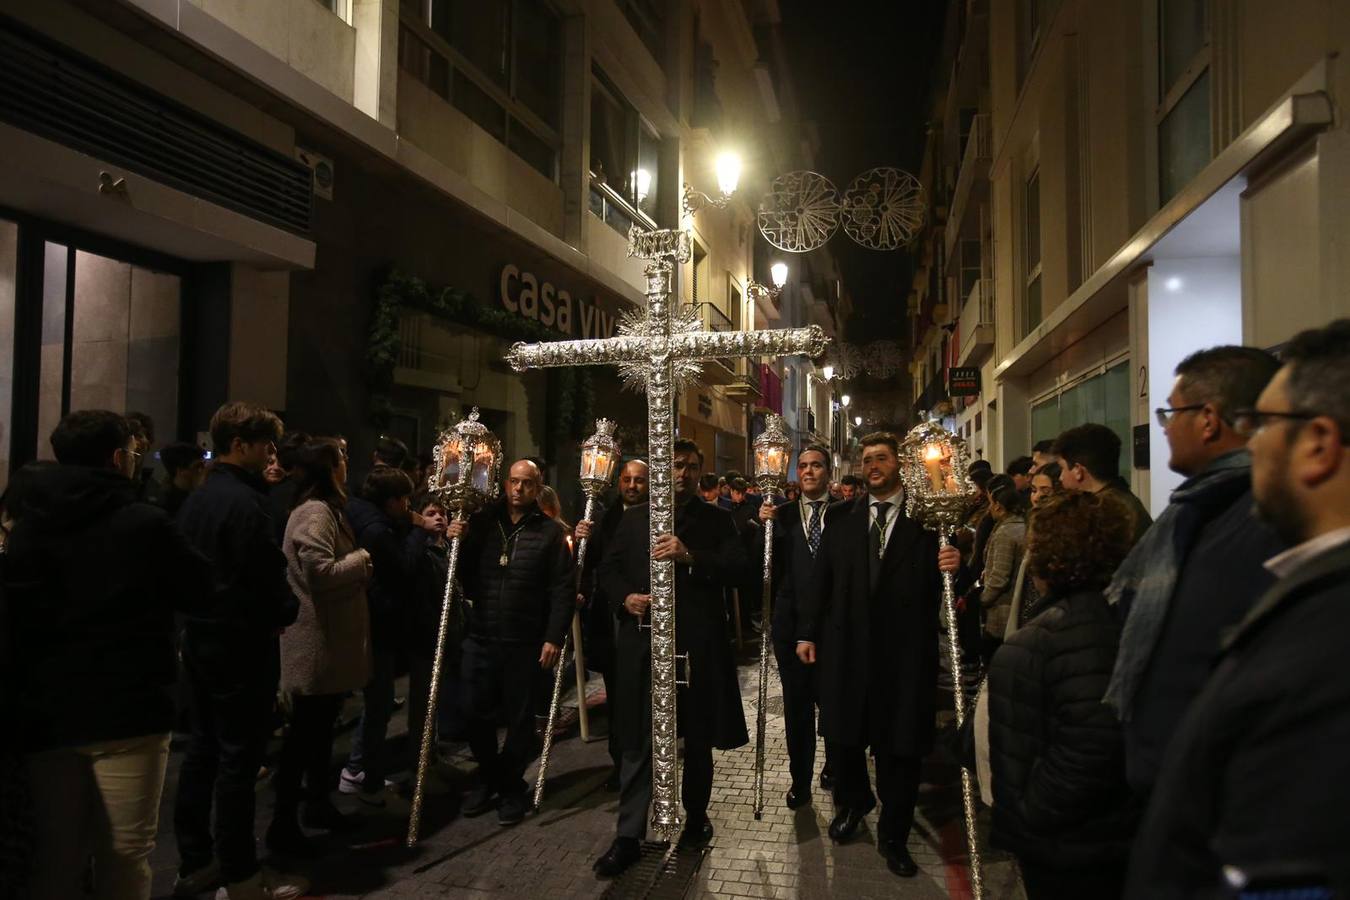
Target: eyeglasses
x=1250, y=421
x=1166, y=414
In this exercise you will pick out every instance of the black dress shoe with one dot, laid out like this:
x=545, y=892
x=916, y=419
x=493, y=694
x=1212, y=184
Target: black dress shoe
x=826, y=780
x=846, y=821
x=620, y=855
x=898, y=859
x=478, y=801
x=287, y=840
x=511, y=810
x=327, y=817
x=797, y=798
x=696, y=834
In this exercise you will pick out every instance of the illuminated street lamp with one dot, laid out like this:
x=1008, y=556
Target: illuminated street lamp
x=845, y=400
x=728, y=167
x=778, y=272
x=828, y=372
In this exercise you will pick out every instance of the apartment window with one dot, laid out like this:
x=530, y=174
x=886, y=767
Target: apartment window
x=648, y=18
x=1031, y=229
x=340, y=8
x=1033, y=18
x=1183, y=114
x=625, y=153
x=496, y=61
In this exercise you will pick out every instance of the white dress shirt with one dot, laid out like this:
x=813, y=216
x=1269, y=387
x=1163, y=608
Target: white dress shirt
x=824, y=500
x=1284, y=564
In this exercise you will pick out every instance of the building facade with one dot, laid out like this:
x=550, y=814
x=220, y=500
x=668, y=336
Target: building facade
x=1159, y=176
x=347, y=210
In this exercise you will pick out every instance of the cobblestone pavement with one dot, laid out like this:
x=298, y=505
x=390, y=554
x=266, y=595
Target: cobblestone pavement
x=786, y=854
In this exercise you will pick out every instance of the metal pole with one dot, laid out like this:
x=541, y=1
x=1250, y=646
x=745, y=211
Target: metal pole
x=959, y=699
x=429, y=727
x=561, y=666
x=765, y=614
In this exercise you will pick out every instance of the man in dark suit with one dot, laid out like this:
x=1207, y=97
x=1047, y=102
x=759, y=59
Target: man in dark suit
x=797, y=540
x=598, y=618
x=708, y=556
x=874, y=613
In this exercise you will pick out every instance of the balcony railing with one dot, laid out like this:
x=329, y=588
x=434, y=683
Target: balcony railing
x=977, y=319
x=975, y=160
x=714, y=319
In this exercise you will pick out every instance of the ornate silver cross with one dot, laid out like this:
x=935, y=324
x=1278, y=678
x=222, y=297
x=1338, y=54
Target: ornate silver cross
x=659, y=350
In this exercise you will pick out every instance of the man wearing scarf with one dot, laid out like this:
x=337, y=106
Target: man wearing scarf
x=1198, y=570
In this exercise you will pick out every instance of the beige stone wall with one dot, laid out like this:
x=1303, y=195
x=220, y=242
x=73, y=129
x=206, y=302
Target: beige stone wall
x=305, y=35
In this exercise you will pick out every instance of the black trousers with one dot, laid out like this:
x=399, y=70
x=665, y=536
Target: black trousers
x=501, y=679
x=635, y=787
x=1105, y=881
x=897, y=787
x=800, y=699
x=233, y=693
x=306, y=753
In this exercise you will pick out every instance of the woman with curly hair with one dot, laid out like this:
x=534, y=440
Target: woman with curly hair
x=1061, y=803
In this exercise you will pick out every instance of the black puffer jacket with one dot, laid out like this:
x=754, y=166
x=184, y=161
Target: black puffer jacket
x=1057, y=752
x=395, y=550
x=531, y=598
x=92, y=579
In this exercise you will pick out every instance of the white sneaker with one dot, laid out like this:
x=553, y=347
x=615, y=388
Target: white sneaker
x=265, y=884
x=351, y=782
x=204, y=879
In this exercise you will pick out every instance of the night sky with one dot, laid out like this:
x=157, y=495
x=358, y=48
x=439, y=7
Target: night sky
x=865, y=78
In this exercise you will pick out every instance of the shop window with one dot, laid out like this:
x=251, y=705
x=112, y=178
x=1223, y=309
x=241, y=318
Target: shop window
x=1185, y=142
x=625, y=153
x=1031, y=229
x=497, y=61
x=1103, y=398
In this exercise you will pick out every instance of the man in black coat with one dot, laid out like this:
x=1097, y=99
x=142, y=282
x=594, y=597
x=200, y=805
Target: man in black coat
x=598, y=618
x=1253, y=791
x=230, y=651
x=874, y=615
x=708, y=556
x=1199, y=569
x=800, y=530
x=92, y=579
x=519, y=582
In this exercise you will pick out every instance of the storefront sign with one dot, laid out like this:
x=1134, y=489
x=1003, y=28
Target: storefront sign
x=963, y=381
x=523, y=294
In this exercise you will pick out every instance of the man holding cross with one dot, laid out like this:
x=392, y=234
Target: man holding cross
x=708, y=557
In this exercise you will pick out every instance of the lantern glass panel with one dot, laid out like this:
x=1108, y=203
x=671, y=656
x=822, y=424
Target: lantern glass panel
x=937, y=463
x=481, y=476
x=450, y=455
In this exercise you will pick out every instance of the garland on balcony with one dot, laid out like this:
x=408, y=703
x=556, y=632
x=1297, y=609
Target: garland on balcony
x=571, y=393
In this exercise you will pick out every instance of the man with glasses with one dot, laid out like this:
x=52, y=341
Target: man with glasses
x=1198, y=570
x=1090, y=461
x=232, y=659
x=1254, y=789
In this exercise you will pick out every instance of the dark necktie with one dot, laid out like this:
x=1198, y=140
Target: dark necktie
x=813, y=527
x=878, y=535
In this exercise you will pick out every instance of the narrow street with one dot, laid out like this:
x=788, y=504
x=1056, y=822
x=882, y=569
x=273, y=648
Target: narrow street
x=786, y=854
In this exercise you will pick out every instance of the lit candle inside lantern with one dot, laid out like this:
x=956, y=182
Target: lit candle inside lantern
x=450, y=470
x=482, y=467
x=932, y=461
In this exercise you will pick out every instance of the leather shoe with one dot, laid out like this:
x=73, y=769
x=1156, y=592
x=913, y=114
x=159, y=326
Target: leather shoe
x=696, y=834
x=898, y=859
x=826, y=780
x=620, y=855
x=846, y=821
x=797, y=798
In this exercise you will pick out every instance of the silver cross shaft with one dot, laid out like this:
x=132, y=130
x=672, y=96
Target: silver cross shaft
x=656, y=347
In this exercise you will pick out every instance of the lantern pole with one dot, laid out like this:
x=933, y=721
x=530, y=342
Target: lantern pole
x=939, y=493
x=599, y=456
x=457, y=453
x=771, y=459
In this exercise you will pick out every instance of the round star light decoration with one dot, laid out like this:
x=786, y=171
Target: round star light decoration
x=883, y=208
x=800, y=212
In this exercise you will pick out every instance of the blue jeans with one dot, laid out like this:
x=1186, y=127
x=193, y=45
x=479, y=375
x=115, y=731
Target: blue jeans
x=369, y=753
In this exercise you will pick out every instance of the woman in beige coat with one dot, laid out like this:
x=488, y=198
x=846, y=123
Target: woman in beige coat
x=326, y=653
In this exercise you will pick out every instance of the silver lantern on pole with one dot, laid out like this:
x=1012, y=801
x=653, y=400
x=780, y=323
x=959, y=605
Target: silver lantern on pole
x=599, y=459
x=772, y=450
x=465, y=476
x=939, y=494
